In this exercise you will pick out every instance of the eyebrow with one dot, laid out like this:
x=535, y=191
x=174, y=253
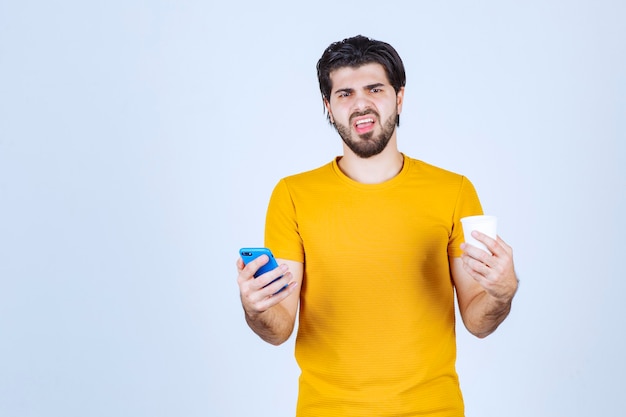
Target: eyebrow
x=367, y=87
x=376, y=85
x=344, y=90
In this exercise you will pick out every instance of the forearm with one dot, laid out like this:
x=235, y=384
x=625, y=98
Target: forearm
x=484, y=314
x=274, y=325
x=485, y=284
x=270, y=306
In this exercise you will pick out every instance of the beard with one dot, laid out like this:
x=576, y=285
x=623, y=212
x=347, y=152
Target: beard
x=368, y=145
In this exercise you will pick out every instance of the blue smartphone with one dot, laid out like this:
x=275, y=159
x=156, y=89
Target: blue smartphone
x=250, y=254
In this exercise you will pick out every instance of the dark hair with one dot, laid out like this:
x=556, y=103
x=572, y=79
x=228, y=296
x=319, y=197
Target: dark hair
x=355, y=52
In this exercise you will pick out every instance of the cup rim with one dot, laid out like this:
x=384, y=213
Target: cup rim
x=480, y=217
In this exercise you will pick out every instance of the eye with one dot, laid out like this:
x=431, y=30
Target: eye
x=344, y=94
x=376, y=90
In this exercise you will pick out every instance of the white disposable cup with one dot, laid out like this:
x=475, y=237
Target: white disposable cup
x=484, y=224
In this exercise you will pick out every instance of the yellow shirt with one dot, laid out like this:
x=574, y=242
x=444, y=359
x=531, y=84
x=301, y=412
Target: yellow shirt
x=376, y=333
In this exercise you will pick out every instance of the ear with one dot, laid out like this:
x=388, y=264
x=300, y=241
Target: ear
x=330, y=113
x=400, y=99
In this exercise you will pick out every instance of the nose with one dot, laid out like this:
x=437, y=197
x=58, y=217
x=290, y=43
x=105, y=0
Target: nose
x=361, y=102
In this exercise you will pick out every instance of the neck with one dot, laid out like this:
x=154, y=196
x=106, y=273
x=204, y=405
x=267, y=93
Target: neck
x=374, y=170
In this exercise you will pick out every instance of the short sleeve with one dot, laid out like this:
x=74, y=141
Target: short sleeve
x=467, y=204
x=281, y=225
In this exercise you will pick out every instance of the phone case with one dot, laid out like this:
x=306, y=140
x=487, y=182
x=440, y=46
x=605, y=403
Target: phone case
x=250, y=254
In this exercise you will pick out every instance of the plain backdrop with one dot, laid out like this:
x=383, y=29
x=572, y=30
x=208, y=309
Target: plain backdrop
x=140, y=140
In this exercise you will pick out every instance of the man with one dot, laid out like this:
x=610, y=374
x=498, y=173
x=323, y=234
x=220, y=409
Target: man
x=370, y=246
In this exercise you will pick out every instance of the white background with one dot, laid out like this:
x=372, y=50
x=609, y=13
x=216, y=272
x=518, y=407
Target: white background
x=139, y=142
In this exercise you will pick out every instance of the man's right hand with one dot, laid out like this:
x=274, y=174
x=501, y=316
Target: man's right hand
x=269, y=314
x=260, y=294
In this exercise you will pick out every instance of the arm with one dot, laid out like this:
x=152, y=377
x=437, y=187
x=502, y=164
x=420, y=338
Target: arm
x=272, y=317
x=485, y=284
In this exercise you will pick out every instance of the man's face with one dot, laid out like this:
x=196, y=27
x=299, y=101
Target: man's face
x=364, y=108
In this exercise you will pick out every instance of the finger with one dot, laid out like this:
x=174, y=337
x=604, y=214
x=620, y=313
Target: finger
x=476, y=268
x=247, y=271
x=507, y=249
x=476, y=253
x=276, y=297
x=265, y=298
x=240, y=264
x=497, y=246
x=265, y=279
x=256, y=263
x=280, y=284
x=488, y=241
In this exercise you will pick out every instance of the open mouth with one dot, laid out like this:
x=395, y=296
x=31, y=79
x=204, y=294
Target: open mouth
x=364, y=124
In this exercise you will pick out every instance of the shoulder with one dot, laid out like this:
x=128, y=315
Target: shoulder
x=425, y=170
x=297, y=186
x=439, y=182
x=429, y=168
x=322, y=173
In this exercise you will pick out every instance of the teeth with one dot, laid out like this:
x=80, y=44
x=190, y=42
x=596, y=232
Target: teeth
x=364, y=121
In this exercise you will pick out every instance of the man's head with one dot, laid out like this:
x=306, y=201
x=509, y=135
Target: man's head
x=355, y=52
x=362, y=85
